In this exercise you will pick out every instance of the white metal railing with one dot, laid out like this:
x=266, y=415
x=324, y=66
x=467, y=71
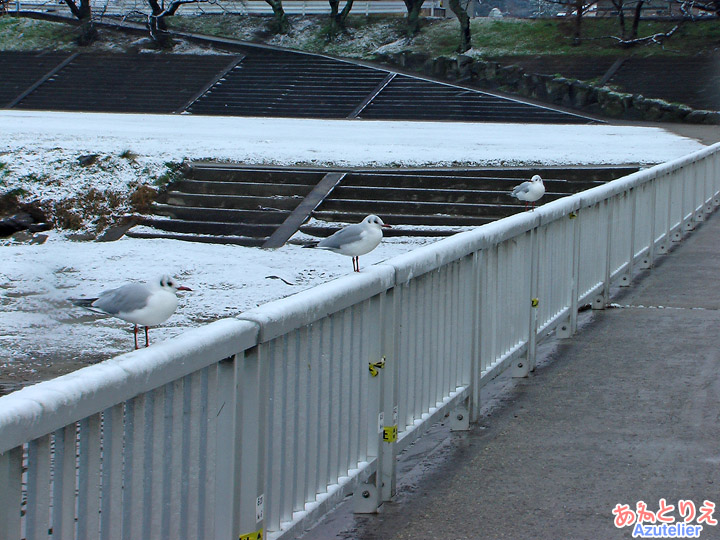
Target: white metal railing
x=264, y=422
x=250, y=7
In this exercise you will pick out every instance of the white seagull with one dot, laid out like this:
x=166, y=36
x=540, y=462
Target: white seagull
x=530, y=191
x=144, y=304
x=355, y=240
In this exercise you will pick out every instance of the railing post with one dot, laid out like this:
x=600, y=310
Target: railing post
x=534, y=298
x=523, y=366
x=240, y=463
x=368, y=495
x=476, y=298
x=675, y=236
x=569, y=327
x=626, y=279
x=708, y=192
x=698, y=191
x=390, y=309
x=687, y=224
x=603, y=299
x=715, y=178
x=649, y=259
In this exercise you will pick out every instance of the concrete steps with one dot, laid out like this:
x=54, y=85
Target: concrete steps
x=228, y=203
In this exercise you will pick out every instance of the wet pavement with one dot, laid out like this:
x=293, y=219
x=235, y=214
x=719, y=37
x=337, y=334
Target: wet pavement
x=625, y=411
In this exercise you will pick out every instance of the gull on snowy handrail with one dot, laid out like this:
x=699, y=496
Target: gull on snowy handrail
x=355, y=240
x=530, y=191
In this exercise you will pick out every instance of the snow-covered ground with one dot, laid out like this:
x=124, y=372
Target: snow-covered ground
x=42, y=333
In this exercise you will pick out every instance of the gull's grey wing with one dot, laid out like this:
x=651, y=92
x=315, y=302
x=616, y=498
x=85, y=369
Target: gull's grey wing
x=124, y=299
x=343, y=237
x=522, y=188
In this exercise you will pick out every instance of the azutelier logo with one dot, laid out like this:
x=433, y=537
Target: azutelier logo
x=662, y=522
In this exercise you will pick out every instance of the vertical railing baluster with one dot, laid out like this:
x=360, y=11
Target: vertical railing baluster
x=11, y=493
x=253, y=402
x=112, y=474
x=38, y=484
x=89, y=478
x=298, y=354
x=274, y=447
x=154, y=517
x=286, y=402
x=64, y=475
x=176, y=490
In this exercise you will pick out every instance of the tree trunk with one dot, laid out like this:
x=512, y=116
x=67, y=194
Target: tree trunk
x=636, y=19
x=620, y=6
x=461, y=14
x=345, y=12
x=83, y=13
x=281, y=25
x=338, y=20
x=413, y=16
x=157, y=18
x=577, y=31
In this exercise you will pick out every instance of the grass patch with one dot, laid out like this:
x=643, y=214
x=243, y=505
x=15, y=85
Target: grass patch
x=365, y=35
x=93, y=206
x=21, y=34
x=507, y=37
x=34, y=178
x=142, y=199
x=173, y=173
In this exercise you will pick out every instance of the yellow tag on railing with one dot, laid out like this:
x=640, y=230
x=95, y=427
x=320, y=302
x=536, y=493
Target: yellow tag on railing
x=390, y=434
x=374, y=366
x=534, y=302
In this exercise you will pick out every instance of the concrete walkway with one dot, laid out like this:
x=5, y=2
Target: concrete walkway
x=627, y=410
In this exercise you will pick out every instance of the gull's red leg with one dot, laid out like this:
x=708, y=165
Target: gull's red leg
x=147, y=340
x=136, y=343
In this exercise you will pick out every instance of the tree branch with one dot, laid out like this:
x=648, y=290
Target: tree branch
x=658, y=38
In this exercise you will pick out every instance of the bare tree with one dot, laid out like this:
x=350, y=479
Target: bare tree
x=281, y=24
x=337, y=20
x=460, y=12
x=413, y=16
x=576, y=9
x=636, y=7
x=691, y=8
x=82, y=11
x=159, y=11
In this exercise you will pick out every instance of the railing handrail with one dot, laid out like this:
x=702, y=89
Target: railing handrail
x=37, y=410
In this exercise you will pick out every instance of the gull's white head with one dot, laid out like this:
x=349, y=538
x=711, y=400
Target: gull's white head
x=536, y=178
x=375, y=221
x=168, y=283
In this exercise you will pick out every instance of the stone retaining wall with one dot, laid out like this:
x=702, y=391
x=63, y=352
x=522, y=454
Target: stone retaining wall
x=569, y=93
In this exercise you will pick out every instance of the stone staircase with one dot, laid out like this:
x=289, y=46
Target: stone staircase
x=265, y=206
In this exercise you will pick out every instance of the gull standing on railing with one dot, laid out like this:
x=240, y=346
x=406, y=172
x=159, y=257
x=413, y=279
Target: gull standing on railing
x=530, y=191
x=355, y=240
x=144, y=304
